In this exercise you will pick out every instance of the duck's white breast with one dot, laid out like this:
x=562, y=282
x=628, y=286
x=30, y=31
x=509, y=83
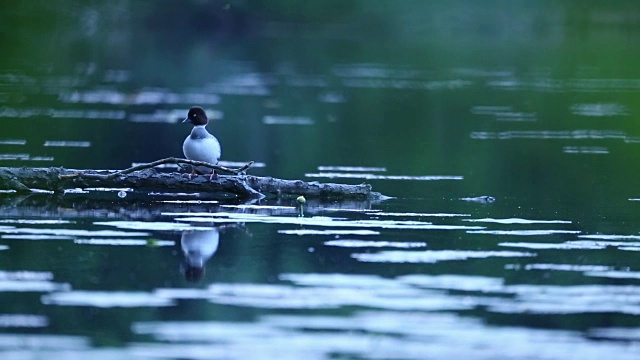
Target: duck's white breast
x=206, y=149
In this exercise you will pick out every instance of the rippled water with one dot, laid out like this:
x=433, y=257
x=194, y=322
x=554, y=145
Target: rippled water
x=507, y=143
x=241, y=277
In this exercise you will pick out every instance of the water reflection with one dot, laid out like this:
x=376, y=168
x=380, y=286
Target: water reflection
x=287, y=120
x=25, y=157
x=105, y=299
x=67, y=143
x=585, y=149
x=198, y=246
x=29, y=281
x=13, y=142
x=599, y=109
x=368, y=176
x=382, y=334
x=23, y=321
x=503, y=113
x=144, y=96
x=550, y=134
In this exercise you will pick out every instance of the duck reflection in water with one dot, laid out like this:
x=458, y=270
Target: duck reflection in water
x=197, y=247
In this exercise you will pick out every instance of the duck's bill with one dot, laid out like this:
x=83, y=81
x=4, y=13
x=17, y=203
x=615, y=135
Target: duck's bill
x=186, y=120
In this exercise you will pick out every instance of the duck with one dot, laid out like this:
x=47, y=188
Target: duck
x=200, y=145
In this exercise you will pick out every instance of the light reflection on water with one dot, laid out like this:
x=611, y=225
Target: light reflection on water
x=373, y=244
x=351, y=168
x=25, y=157
x=396, y=336
x=550, y=135
x=105, y=299
x=23, y=321
x=222, y=218
x=503, y=113
x=122, y=242
x=13, y=142
x=599, y=109
x=368, y=176
x=67, y=143
x=143, y=97
x=14, y=156
x=585, y=150
x=287, y=120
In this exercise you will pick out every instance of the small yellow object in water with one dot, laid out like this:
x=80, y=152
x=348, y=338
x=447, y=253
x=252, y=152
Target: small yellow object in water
x=301, y=200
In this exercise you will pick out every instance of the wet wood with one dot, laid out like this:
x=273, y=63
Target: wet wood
x=57, y=180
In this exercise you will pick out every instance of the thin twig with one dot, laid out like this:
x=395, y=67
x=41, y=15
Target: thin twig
x=153, y=164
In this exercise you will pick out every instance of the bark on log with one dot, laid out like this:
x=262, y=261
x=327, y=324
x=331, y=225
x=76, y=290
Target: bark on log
x=242, y=186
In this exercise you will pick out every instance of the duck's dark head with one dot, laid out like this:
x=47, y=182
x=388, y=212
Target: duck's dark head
x=196, y=116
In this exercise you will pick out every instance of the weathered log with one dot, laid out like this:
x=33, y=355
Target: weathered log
x=58, y=180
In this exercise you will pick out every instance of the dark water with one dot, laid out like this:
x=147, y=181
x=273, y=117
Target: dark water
x=507, y=133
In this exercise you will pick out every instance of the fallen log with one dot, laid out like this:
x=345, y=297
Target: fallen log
x=146, y=178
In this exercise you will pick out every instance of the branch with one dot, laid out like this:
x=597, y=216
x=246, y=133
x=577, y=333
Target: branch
x=153, y=164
